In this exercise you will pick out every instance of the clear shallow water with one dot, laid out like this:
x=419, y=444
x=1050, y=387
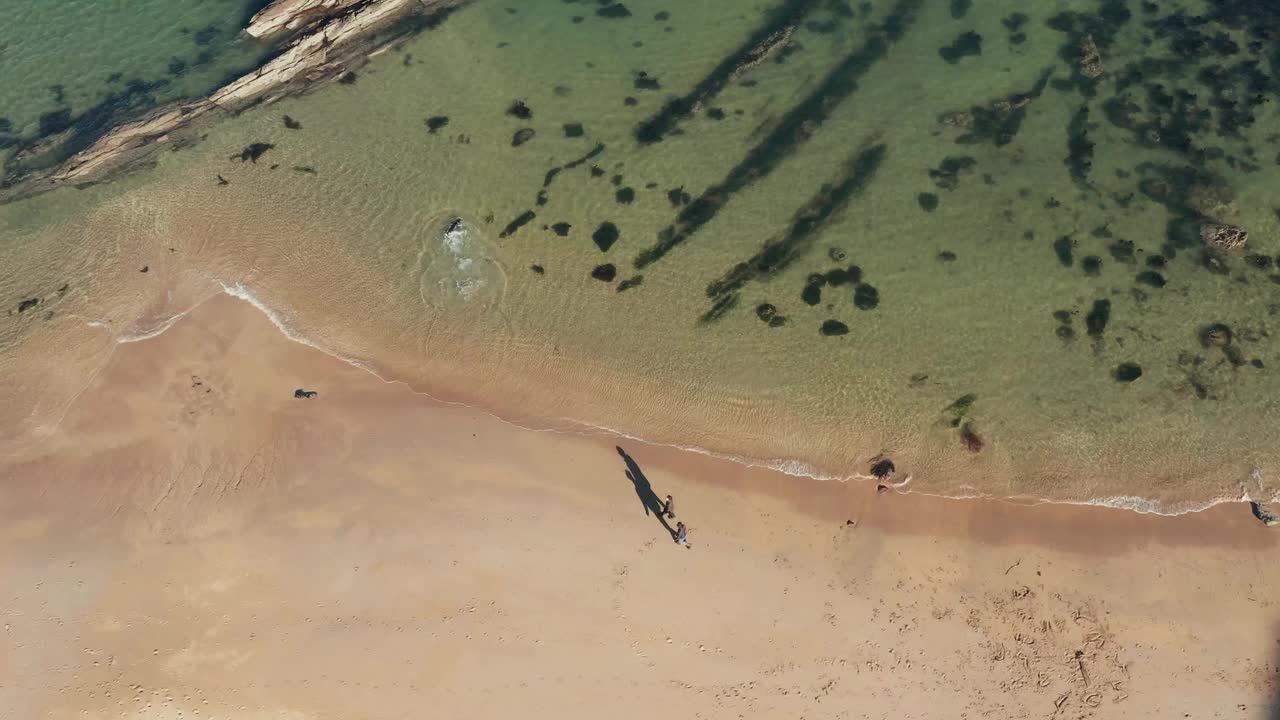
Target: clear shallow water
x=832, y=148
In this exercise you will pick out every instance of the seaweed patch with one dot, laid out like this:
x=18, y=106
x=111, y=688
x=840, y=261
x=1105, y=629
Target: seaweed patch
x=791, y=131
x=807, y=222
x=771, y=35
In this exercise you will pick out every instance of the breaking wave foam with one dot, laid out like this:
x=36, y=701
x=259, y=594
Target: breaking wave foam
x=787, y=466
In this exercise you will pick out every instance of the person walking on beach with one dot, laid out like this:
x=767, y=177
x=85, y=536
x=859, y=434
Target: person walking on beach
x=682, y=534
x=669, y=507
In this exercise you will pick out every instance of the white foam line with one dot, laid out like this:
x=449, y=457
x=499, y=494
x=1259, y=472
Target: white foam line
x=793, y=468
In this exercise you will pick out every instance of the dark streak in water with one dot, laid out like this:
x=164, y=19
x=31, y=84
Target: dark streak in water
x=792, y=131
x=775, y=31
x=806, y=224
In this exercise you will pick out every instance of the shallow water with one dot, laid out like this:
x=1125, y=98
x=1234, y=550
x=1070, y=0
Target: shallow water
x=849, y=141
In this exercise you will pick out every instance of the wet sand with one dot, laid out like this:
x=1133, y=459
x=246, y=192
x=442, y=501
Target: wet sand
x=193, y=541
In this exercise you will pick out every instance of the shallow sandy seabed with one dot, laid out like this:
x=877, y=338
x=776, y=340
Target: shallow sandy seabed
x=193, y=541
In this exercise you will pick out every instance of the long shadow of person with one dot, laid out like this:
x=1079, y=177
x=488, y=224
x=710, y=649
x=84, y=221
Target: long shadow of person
x=652, y=503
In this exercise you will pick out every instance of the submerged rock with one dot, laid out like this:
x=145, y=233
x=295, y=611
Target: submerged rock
x=605, y=273
x=605, y=236
x=834, y=327
x=522, y=136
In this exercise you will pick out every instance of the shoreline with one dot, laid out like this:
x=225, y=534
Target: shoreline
x=195, y=539
x=793, y=468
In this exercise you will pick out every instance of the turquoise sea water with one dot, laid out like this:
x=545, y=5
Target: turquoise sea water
x=812, y=233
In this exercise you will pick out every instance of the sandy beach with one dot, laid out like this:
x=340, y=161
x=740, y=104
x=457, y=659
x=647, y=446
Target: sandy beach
x=193, y=541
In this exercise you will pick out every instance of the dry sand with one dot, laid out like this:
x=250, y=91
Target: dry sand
x=193, y=542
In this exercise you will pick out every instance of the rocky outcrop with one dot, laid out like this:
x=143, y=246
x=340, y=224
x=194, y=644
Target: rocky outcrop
x=283, y=18
x=320, y=54
x=1265, y=515
x=1090, y=59
x=1218, y=236
x=335, y=35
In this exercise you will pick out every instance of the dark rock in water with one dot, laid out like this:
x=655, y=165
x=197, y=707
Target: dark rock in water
x=522, y=136
x=1079, y=158
x=347, y=78
x=644, y=81
x=765, y=311
x=834, y=327
x=537, y=269
x=605, y=273
x=811, y=295
x=836, y=254
x=959, y=410
x=947, y=175
x=519, y=110
x=625, y=195
x=1151, y=278
x=630, y=283
x=1122, y=251
x=614, y=11
x=1215, y=335
x=837, y=277
x=253, y=152
x=1262, y=262
x=304, y=394
x=435, y=122
x=928, y=201
x=1092, y=265
x=561, y=229
x=605, y=236
x=678, y=197
x=291, y=123
x=883, y=469
x=1062, y=247
x=524, y=219
x=25, y=305
x=1127, y=372
x=970, y=438
x=946, y=256
x=573, y=130
x=1098, y=317
x=1015, y=21
x=965, y=44
x=866, y=297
